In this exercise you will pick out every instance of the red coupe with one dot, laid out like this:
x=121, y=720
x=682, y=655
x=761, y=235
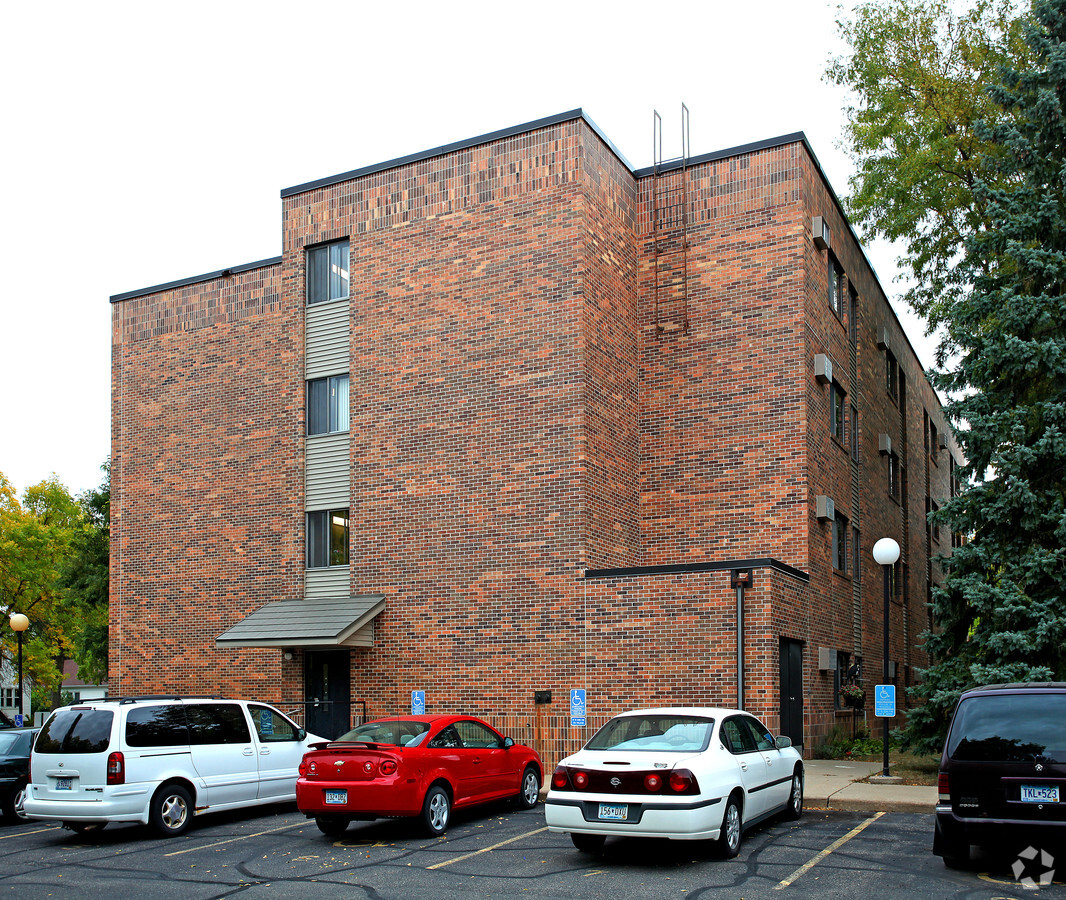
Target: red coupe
x=414, y=766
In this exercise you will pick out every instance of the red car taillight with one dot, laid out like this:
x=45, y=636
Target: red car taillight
x=302, y=768
x=116, y=768
x=943, y=787
x=580, y=780
x=560, y=779
x=387, y=767
x=653, y=783
x=682, y=781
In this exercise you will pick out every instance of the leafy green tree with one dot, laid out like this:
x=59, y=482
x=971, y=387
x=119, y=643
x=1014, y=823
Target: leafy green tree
x=917, y=71
x=1000, y=611
x=86, y=579
x=35, y=540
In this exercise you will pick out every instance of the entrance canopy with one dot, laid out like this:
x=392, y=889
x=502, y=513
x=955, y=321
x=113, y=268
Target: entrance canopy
x=337, y=622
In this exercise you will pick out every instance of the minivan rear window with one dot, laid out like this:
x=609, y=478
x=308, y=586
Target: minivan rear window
x=76, y=731
x=1009, y=728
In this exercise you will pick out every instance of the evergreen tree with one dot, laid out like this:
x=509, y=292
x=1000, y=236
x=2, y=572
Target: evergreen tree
x=1000, y=614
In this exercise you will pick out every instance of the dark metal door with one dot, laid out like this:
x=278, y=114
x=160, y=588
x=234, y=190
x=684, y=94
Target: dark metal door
x=327, y=692
x=791, y=660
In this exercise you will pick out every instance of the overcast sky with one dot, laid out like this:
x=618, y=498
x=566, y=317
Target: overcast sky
x=147, y=142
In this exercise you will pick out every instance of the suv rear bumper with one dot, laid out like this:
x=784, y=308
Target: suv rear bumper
x=989, y=830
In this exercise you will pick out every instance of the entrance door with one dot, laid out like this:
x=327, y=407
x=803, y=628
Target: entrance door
x=791, y=658
x=327, y=692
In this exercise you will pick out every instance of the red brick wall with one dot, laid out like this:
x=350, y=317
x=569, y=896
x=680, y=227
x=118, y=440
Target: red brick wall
x=517, y=418
x=206, y=443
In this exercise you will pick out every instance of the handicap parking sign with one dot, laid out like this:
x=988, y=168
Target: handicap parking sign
x=19, y=720
x=418, y=703
x=885, y=701
x=577, y=708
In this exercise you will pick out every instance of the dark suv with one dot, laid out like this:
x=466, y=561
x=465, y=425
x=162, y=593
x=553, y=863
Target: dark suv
x=1003, y=770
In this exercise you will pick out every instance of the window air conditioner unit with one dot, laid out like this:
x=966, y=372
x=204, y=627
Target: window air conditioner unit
x=820, y=233
x=882, y=339
x=824, y=508
x=823, y=368
x=884, y=444
x=827, y=659
x=942, y=441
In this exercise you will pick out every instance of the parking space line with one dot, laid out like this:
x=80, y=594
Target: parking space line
x=232, y=840
x=21, y=833
x=836, y=845
x=519, y=837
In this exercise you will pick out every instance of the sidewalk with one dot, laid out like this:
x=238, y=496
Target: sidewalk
x=835, y=784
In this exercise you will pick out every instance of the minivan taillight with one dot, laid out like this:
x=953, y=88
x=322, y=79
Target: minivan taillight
x=116, y=768
x=943, y=787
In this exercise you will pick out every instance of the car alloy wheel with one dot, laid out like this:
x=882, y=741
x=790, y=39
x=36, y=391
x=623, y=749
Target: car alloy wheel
x=795, y=798
x=729, y=840
x=436, y=810
x=170, y=810
x=530, y=789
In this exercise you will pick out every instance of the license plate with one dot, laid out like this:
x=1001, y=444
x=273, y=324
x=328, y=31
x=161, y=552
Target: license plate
x=1040, y=793
x=615, y=811
x=339, y=797
x=64, y=784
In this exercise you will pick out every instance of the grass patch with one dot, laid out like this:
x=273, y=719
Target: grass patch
x=913, y=768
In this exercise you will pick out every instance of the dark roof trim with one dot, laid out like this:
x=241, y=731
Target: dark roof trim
x=466, y=144
x=682, y=568
x=768, y=144
x=210, y=276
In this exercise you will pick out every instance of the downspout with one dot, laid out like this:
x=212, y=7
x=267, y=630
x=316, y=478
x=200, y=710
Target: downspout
x=740, y=579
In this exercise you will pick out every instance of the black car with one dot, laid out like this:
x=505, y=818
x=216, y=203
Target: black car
x=15, y=744
x=1003, y=770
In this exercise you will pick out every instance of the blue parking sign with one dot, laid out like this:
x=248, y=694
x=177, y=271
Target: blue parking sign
x=418, y=703
x=19, y=720
x=884, y=701
x=577, y=708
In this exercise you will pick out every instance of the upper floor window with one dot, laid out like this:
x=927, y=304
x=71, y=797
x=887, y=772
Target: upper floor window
x=327, y=404
x=934, y=437
x=327, y=538
x=853, y=315
x=894, y=476
x=892, y=375
x=840, y=543
x=327, y=272
x=837, y=287
x=837, y=407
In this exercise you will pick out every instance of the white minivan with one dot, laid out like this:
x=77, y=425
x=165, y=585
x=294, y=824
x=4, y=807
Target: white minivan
x=161, y=760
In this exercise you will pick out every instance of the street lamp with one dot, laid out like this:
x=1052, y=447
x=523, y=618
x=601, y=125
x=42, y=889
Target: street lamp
x=886, y=552
x=19, y=623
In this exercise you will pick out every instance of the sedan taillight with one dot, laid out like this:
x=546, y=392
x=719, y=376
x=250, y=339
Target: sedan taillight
x=387, y=767
x=560, y=779
x=682, y=781
x=116, y=768
x=653, y=783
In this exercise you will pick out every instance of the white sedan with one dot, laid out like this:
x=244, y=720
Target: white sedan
x=686, y=773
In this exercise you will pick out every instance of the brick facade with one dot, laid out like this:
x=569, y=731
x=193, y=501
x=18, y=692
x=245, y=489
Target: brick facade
x=558, y=456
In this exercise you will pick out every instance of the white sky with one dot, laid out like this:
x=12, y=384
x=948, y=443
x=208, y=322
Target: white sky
x=147, y=142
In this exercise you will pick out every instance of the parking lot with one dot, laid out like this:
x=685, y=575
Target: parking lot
x=497, y=852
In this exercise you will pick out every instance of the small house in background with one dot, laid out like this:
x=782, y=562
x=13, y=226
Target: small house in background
x=79, y=689
x=9, y=704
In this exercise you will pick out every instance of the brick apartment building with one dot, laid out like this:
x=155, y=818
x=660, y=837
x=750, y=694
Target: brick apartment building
x=508, y=417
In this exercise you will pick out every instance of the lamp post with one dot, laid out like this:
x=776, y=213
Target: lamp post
x=886, y=552
x=19, y=623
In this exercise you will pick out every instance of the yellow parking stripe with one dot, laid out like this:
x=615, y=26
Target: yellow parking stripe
x=232, y=840
x=836, y=845
x=448, y=862
x=21, y=833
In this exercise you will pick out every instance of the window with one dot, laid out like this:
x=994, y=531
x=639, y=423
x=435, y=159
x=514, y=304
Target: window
x=934, y=526
x=892, y=376
x=837, y=287
x=934, y=436
x=7, y=697
x=840, y=543
x=217, y=723
x=476, y=735
x=893, y=476
x=327, y=272
x=327, y=405
x=837, y=405
x=842, y=675
x=327, y=538
x=270, y=725
x=157, y=726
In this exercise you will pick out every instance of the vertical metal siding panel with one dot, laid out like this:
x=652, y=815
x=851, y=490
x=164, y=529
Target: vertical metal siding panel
x=327, y=341
x=327, y=471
